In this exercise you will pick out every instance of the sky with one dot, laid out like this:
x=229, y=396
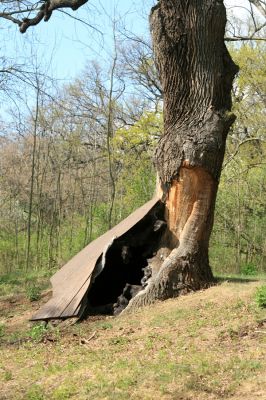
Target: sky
x=65, y=44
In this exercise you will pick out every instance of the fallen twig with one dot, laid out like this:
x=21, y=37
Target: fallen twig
x=86, y=341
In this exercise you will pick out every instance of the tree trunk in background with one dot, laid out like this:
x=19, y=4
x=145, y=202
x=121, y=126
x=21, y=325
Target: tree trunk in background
x=196, y=73
x=32, y=178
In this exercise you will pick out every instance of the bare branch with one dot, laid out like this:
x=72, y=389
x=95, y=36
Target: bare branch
x=260, y=5
x=256, y=140
x=10, y=18
x=47, y=9
x=250, y=37
x=81, y=20
x=43, y=9
x=243, y=38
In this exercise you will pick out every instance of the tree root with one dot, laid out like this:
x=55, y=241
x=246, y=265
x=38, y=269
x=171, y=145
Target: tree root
x=179, y=275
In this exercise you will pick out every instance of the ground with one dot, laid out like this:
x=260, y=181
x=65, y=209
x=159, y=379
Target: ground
x=206, y=345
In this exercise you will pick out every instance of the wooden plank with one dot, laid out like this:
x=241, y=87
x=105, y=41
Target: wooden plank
x=71, y=282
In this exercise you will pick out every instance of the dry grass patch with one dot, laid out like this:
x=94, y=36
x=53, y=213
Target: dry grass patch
x=207, y=345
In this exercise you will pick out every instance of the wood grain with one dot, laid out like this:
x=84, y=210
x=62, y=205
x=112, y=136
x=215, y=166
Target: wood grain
x=71, y=282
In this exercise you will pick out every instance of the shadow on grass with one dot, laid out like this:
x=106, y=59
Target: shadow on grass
x=239, y=279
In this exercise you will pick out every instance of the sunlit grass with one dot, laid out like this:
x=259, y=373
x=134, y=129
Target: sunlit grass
x=202, y=346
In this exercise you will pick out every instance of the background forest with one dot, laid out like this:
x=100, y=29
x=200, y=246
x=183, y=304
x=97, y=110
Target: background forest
x=76, y=159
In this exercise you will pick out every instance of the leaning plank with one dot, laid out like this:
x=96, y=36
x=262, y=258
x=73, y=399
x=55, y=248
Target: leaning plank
x=71, y=282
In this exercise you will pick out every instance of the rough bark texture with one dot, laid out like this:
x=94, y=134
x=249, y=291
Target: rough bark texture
x=196, y=73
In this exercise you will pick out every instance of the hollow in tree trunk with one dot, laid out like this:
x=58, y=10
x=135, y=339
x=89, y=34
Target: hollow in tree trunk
x=196, y=73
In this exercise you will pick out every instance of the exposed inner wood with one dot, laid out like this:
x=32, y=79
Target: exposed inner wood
x=188, y=203
x=71, y=282
x=146, y=256
x=127, y=266
x=196, y=74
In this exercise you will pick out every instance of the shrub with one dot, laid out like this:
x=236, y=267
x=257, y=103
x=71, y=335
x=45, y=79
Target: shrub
x=33, y=293
x=249, y=269
x=260, y=296
x=38, y=332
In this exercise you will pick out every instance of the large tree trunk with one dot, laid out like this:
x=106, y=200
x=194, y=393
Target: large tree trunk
x=196, y=73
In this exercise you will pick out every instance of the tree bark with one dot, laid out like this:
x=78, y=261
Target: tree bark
x=196, y=73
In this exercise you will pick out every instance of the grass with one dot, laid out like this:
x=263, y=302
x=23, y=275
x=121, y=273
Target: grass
x=19, y=282
x=261, y=296
x=206, y=345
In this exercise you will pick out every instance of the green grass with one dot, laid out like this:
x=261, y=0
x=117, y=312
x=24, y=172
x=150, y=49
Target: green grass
x=261, y=296
x=2, y=330
x=31, y=283
x=260, y=276
x=207, y=345
x=33, y=292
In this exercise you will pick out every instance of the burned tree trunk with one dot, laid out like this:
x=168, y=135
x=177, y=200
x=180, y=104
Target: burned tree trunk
x=196, y=73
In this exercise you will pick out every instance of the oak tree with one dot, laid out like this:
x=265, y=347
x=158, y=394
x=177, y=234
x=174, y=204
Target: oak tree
x=196, y=74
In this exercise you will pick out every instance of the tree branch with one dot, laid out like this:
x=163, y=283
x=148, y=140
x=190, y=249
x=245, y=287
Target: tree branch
x=250, y=37
x=81, y=20
x=43, y=9
x=238, y=147
x=243, y=38
x=47, y=9
x=260, y=5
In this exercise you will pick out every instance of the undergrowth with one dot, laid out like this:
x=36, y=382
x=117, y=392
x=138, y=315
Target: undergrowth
x=261, y=296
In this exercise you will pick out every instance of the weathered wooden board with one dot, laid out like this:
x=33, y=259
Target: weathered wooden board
x=71, y=282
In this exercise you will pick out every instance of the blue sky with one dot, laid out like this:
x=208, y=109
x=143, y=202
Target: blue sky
x=63, y=45
x=66, y=44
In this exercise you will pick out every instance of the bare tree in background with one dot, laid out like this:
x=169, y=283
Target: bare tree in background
x=257, y=23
